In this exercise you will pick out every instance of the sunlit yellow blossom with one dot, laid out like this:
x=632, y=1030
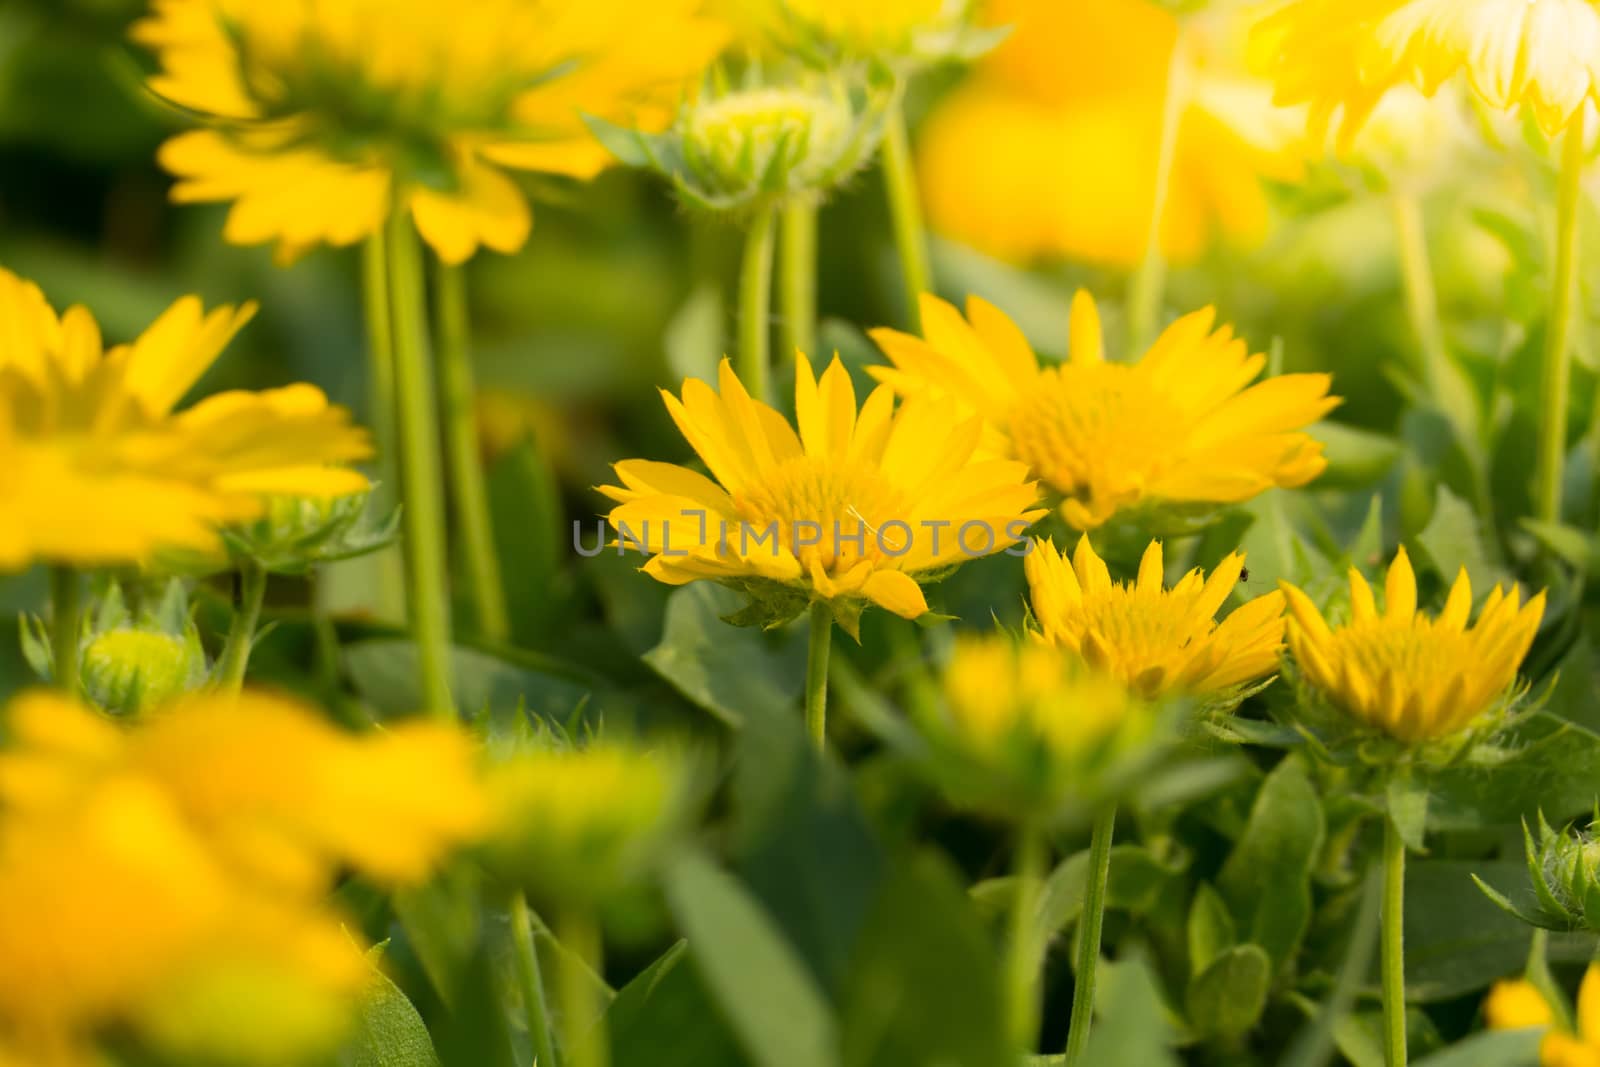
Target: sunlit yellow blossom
x=281, y=794
x=96, y=466
x=323, y=115
x=855, y=507
x=1051, y=148
x=187, y=954
x=1413, y=677
x=1342, y=56
x=1025, y=726
x=574, y=823
x=1514, y=1004
x=1179, y=426
x=1153, y=639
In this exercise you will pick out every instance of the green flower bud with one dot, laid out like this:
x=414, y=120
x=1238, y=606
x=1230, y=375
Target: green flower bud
x=1564, y=869
x=127, y=671
x=752, y=148
x=296, y=533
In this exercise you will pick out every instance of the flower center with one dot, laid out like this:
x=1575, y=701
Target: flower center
x=1083, y=422
x=1415, y=653
x=836, y=515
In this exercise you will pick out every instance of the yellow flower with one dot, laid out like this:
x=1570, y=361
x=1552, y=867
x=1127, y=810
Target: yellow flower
x=284, y=797
x=1342, y=56
x=325, y=115
x=96, y=466
x=1177, y=427
x=1152, y=639
x=855, y=507
x=576, y=823
x=1024, y=725
x=1413, y=677
x=1515, y=1004
x=1051, y=148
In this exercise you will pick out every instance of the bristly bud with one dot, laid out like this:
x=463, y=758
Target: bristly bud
x=1564, y=872
x=297, y=533
x=744, y=149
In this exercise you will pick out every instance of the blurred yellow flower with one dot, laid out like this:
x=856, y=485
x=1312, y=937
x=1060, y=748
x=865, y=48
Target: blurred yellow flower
x=1515, y=1004
x=1177, y=427
x=1152, y=639
x=324, y=116
x=96, y=467
x=272, y=788
x=855, y=507
x=1342, y=56
x=1051, y=148
x=576, y=823
x=1025, y=726
x=1413, y=677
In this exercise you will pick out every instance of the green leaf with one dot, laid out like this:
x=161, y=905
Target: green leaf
x=763, y=989
x=1132, y=1027
x=733, y=673
x=1543, y=763
x=1133, y=882
x=384, y=672
x=388, y=1032
x=922, y=987
x=1210, y=928
x=531, y=539
x=1495, y=1048
x=1355, y=457
x=665, y=1018
x=1407, y=801
x=1227, y=997
x=1266, y=880
x=1453, y=538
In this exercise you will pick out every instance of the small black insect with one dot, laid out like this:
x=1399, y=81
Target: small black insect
x=1244, y=574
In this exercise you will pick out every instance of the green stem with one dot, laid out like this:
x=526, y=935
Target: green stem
x=1556, y=371
x=242, y=634
x=797, y=280
x=1094, y=914
x=531, y=982
x=584, y=1038
x=461, y=452
x=1150, y=279
x=380, y=400
x=755, y=304
x=1022, y=962
x=66, y=622
x=817, y=673
x=905, y=213
x=1393, y=961
x=423, y=511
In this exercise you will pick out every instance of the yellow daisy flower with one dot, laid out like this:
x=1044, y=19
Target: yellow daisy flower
x=1342, y=56
x=855, y=507
x=1153, y=639
x=1413, y=677
x=324, y=115
x=1518, y=1004
x=1050, y=149
x=1177, y=427
x=98, y=467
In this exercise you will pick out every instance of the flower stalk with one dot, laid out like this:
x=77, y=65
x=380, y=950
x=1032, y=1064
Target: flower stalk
x=905, y=212
x=381, y=405
x=235, y=656
x=1556, y=369
x=531, y=981
x=817, y=651
x=1393, y=941
x=755, y=304
x=584, y=1033
x=1022, y=962
x=1091, y=924
x=471, y=494
x=797, y=279
x=418, y=440
x=66, y=619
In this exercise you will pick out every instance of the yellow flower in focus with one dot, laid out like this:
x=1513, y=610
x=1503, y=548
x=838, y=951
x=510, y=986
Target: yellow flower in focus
x=96, y=466
x=283, y=796
x=1152, y=639
x=1342, y=56
x=325, y=115
x=1051, y=148
x=854, y=508
x=1177, y=427
x=573, y=824
x=1024, y=726
x=1412, y=677
x=1515, y=1004
x=183, y=940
